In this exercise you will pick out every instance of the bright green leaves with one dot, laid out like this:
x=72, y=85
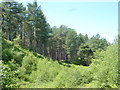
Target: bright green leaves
x=8, y=77
x=38, y=71
x=105, y=67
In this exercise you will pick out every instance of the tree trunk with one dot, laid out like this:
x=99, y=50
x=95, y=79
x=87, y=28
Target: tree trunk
x=45, y=49
x=21, y=35
x=8, y=36
x=34, y=40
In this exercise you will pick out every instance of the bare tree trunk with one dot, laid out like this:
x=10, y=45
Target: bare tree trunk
x=21, y=35
x=34, y=40
x=55, y=55
x=45, y=49
x=63, y=54
x=8, y=37
x=39, y=47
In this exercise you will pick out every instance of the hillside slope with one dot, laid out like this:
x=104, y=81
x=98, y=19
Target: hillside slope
x=27, y=69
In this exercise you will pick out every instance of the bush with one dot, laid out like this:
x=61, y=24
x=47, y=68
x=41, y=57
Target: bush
x=7, y=55
x=8, y=77
x=18, y=56
x=28, y=65
x=39, y=72
x=46, y=71
x=105, y=67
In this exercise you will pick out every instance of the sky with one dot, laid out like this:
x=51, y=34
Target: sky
x=85, y=17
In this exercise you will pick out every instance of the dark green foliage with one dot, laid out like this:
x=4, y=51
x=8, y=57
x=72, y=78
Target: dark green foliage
x=70, y=43
x=95, y=59
x=7, y=55
x=85, y=54
x=82, y=39
x=18, y=56
x=9, y=52
x=96, y=42
x=11, y=12
x=29, y=28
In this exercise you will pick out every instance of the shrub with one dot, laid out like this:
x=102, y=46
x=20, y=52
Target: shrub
x=18, y=56
x=46, y=71
x=7, y=55
x=28, y=65
x=105, y=67
x=8, y=77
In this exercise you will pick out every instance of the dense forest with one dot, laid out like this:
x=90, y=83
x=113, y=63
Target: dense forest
x=36, y=55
